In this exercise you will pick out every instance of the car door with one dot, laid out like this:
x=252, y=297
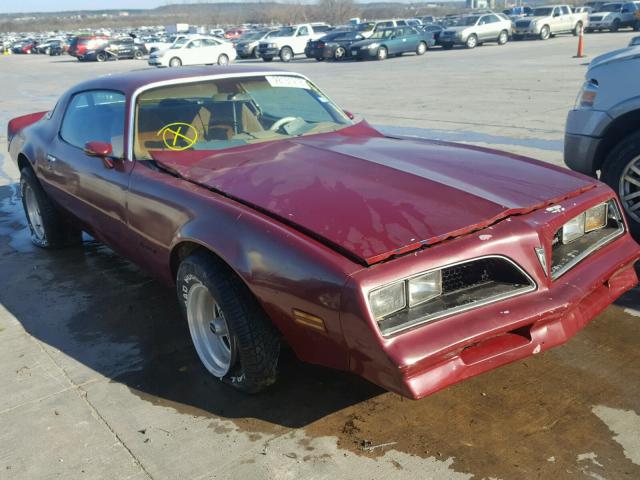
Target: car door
x=191, y=52
x=628, y=13
x=302, y=37
x=211, y=50
x=92, y=189
x=410, y=39
x=482, y=27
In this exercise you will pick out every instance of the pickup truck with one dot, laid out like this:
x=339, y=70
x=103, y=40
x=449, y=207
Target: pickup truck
x=550, y=20
x=290, y=41
x=613, y=16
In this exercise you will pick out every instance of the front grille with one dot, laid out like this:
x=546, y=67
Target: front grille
x=566, y=256
x=596, y=19
x=522, y=23
x=465, y=286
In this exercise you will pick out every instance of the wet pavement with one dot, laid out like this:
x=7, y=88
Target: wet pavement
x=100, y=380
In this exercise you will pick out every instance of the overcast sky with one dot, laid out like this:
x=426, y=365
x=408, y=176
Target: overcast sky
x=10, y=6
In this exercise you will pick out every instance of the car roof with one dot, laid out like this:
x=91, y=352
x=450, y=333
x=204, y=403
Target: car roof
x=129, y=82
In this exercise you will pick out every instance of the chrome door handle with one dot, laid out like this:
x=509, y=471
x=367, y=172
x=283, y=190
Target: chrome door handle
x=51, y=158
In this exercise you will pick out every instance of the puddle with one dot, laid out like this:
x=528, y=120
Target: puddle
x=468, y=136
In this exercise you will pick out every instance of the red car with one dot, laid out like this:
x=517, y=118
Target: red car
x=412, y=263
x=234, y=33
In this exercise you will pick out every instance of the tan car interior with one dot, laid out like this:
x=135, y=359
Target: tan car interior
x=214, y=115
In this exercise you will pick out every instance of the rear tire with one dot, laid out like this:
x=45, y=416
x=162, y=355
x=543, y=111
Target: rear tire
x=339, y=54
x=576, y=30
x=223, y=60
x=239, y=346
x=101, y=56
x=421, y=49
x=615, y=167
x=503, y=37
x=48, y=228
x=138, y=55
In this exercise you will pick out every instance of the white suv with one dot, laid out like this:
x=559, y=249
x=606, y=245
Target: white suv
x=290, y=41
x=602, y=134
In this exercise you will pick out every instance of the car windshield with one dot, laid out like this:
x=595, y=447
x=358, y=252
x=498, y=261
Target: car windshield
x=180, y=43
x=611, y=7
x=469, y=21
x=225, y=113
x=385, y=33
x=285, y=32
x=251, y=36
x=366, y=27
x=542, y=12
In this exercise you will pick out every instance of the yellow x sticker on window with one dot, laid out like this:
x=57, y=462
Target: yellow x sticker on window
x=178, y=136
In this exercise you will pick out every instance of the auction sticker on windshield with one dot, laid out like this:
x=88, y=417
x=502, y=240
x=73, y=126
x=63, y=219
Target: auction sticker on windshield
x=286, y=81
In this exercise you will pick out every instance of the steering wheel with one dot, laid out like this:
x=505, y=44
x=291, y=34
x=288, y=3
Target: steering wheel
x=280, y=123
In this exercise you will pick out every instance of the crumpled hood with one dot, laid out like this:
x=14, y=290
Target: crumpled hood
x=370, y=196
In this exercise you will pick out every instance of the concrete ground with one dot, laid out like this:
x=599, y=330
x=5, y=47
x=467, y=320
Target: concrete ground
x=99, y=379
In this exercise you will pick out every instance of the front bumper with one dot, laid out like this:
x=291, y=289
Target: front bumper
x=269, y=52
x=363, y=54
x=603, y=25
x=432, y=356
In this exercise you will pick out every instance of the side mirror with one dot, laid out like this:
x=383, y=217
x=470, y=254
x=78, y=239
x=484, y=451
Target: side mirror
x=349, y=114
x=102, y=150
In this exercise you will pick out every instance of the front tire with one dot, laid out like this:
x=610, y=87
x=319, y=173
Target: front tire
x=286, y=54
x=620, y=171
x=138, y=55
x=48, y=228
x=339, y=54
x=382, y=54
x=545, y=33
x=616, y=25
x=232, y=335
x=472, y=41
x=175, y=62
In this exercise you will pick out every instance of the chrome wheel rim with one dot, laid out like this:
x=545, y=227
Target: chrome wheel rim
x=223, y=60
x=33, y=213
x=503, y=38
x=209, y=331
x=629, y=189
x=382, y=54
x=339, y=52
x=471, y=42
x=422, y=48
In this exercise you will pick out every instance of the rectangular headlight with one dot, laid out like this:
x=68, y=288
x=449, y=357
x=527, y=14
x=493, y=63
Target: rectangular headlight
x=387, y=300
x=573, y=229
x=425, y=287
x=595, y=218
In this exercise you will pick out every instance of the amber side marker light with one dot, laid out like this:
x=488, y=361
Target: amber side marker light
x=308, y=320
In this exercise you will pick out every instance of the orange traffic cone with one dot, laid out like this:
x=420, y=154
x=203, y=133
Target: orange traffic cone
x=580, y=44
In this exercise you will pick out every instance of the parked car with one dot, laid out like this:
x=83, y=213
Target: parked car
x=614, y=16
x=233, y=33
x=226, y=184
x=116, y=49
x=550, y=20
x=23, y=47
x=57, y=49
x=247, y=45
x=85, y=45
x=602, y=134
x=516, y=13
x=434, y=29
x=635, y=41
x=366, y=29
x=45, y=47
x=166, y=42
x=477, y=29
x=194, y=51
x=392, y=42
x=288, y=42
x=335, y=45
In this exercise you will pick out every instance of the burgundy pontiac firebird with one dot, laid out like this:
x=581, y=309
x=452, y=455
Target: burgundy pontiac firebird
x=412, y=263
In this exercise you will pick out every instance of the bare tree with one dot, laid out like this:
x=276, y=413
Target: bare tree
x=337, y=11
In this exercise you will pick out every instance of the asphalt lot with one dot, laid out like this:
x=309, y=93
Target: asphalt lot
x=99, y=379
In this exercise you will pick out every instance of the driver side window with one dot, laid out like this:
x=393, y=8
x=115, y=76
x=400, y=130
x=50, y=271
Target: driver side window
x=303, y=31
x=96, y=115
